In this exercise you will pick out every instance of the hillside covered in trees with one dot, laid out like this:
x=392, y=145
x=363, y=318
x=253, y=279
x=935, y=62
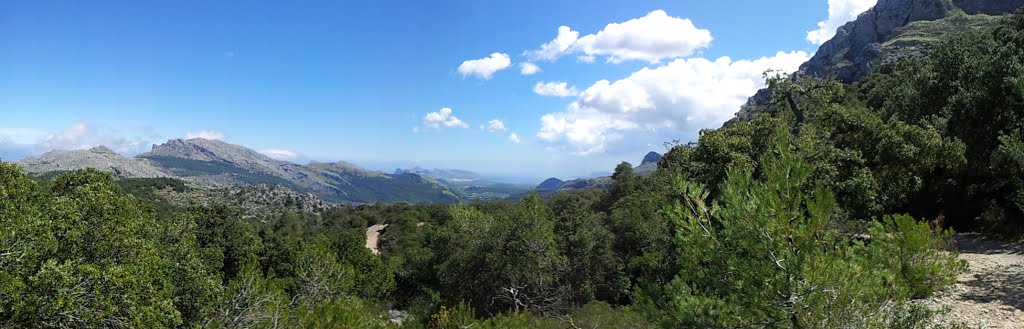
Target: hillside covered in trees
x=825, y=209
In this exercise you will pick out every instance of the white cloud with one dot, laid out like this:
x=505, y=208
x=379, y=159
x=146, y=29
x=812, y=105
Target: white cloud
x=556, y=48
x=652, y=38
x=513, y=137
x=485, y=68
x=281, y=154
x=555, y=88
x=81, y=135
x=206, y=134
x=528, y=68
x=496, y=125
x=682, y=96
x=443, y=118
x=839, y=13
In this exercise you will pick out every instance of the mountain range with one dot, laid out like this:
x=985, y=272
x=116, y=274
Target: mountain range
x=213, y=163
x=647, y=166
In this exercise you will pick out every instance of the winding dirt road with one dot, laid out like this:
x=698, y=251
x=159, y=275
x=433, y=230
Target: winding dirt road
x=372, y=235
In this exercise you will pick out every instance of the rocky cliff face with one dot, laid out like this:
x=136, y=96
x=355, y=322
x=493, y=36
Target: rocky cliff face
x=875, y=36
x=890, y=31
x=200, y=149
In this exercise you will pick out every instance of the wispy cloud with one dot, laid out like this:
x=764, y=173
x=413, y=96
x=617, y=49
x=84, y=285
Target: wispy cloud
x=80, y=135
x=528, y=68
x=281, y=154
x=496, y=125
x=555, y=88
x=210, y=134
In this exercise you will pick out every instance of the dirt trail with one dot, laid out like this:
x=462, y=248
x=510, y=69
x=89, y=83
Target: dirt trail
x=990, y=293
x=372, y=235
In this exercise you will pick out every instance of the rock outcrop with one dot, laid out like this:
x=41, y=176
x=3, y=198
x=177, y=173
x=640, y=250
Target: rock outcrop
x=889, y=31
x=874, y=37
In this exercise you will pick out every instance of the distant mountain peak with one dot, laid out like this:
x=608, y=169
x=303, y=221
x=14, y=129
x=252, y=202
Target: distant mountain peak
x=454, y=175
x=209, y=150
x=102, y=149
x=651, y=157
x=550, y=184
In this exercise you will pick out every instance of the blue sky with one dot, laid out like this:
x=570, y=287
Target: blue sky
x=368, y=81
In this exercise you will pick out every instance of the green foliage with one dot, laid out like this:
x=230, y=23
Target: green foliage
x=343, y=313
x=319, y=276
x=593, y=271
x=252, y=301
x=916, y=253
x=763, y=255
x=85, y=257
x=460, y=316
x=197, y=283
x=602, y=315
x=231, y=241
x=502, y=261
x=371, y=278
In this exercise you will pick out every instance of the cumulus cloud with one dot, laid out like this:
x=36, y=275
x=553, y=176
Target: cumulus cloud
x=528, y=68
x=556, y=48
x=281, y=154
x=839, y=12
x=513, y=137
x=81, y=135
x=496, y=125
x=682, y=96
x=652, y=38
x=443, y=118
x=206, y=134
x=555, y=88
x=485, y=68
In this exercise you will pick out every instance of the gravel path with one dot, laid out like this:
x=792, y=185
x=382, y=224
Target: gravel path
x=372, y=235
x=990, y=293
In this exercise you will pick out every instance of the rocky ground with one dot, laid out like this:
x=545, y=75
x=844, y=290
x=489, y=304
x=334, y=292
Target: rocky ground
x=990, y=292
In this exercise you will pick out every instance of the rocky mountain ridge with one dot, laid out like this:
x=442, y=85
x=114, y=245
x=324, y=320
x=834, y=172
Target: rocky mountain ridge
x=216, y=164
x=889, y=31
x=99, y=157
